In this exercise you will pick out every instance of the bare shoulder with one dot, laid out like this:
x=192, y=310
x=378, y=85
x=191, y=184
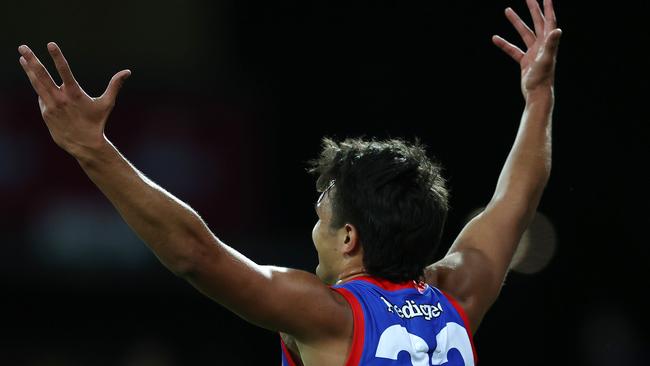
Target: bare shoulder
x=467, y=277
x=323, y=347
x=300, y=299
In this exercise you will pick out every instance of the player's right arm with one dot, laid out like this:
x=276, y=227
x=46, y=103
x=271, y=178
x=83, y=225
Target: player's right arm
x=291, y=301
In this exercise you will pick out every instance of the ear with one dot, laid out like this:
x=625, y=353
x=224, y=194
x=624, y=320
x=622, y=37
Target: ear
x=350, y=239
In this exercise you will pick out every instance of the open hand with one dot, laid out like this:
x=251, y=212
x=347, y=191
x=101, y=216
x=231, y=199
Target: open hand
x=538, y=62
x=76, y=121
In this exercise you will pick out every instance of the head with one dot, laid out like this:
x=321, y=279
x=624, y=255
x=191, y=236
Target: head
x=382, y=208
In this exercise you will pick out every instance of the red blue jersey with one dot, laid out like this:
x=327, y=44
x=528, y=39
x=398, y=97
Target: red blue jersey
x=403, y=324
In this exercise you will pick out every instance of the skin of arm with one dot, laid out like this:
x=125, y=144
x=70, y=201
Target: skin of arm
x=291, y=301
x=477, y=263
x=279, y=299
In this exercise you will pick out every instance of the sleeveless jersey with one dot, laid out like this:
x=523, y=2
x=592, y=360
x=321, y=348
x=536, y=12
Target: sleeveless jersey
x=403, y=324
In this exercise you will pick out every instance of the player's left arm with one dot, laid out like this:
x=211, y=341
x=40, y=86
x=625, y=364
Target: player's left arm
x=477, y=262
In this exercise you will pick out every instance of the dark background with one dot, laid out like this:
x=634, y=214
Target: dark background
x=229, y=99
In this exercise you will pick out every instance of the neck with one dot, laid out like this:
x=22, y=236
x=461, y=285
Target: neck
x=355, y=272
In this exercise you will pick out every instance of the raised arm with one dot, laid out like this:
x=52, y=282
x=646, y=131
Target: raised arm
x=267, y=296
x=477, y=262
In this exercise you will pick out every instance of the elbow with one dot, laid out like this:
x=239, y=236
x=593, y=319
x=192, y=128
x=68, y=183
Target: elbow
x=181, y=267
x=539, y=181
x=521, y=206
x=524, y=188
x=180, y=264
x=188, y=261
x=536, y=191
x=194, y=247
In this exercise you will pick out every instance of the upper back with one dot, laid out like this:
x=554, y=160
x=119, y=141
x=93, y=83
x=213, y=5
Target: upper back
x=411, y=323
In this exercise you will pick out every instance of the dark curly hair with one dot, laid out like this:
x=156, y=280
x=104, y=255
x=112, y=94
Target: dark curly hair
x=393, y=194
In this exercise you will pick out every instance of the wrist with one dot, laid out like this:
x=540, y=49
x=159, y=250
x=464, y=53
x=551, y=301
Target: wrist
x=539, y=94
x=89, y=153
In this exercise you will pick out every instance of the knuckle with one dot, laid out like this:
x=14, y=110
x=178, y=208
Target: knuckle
x=60, y=102
x=54, y=105
x=41, y=73
x=75, y=93
x=47, y=112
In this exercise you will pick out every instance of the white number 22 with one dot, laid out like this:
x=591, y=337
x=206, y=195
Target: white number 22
x=396, y=339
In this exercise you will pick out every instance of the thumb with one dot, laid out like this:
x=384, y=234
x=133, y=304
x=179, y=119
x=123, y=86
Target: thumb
x=553, y=41
x=115, y=85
